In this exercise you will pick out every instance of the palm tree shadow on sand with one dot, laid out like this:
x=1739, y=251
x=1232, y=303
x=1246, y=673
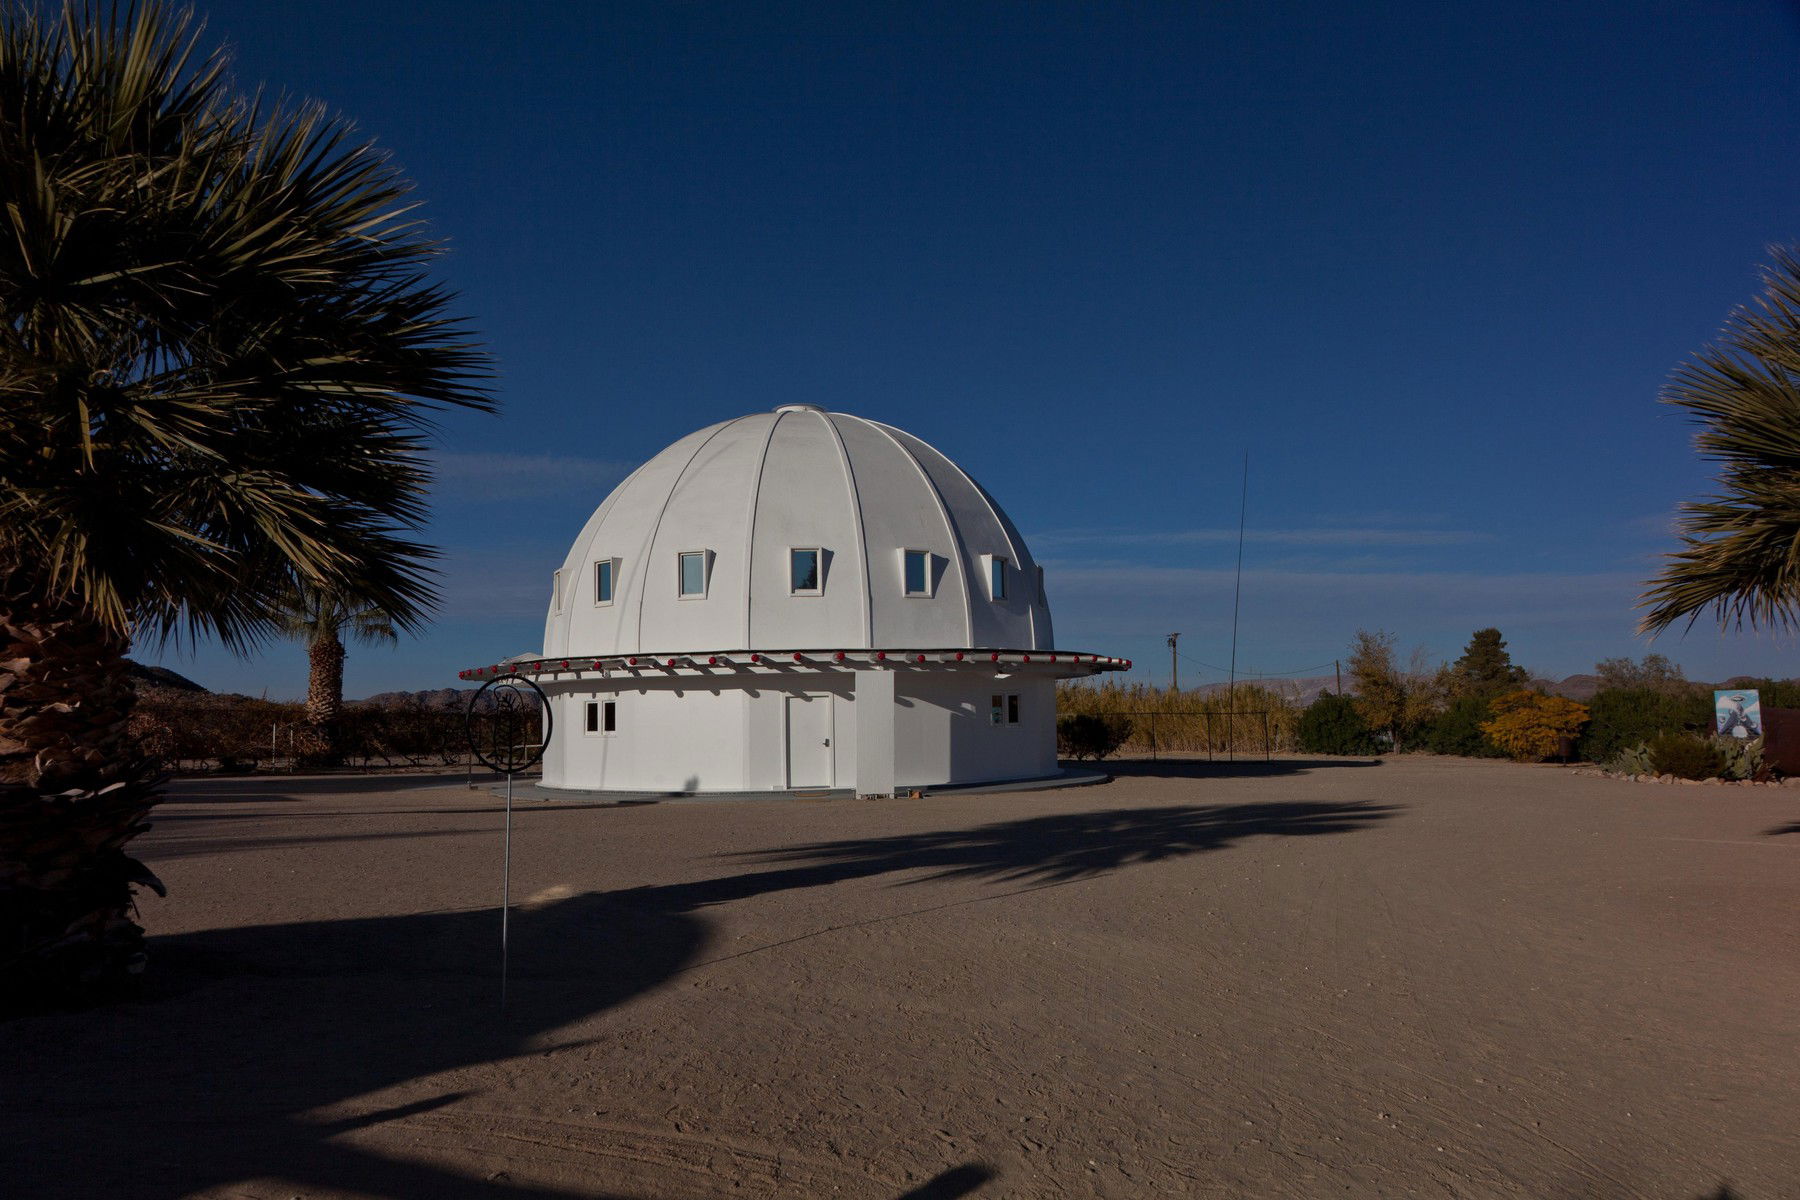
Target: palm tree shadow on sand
x=259, y=1053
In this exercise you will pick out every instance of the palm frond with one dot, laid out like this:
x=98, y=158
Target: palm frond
x=1740, y=555
x=219, y=342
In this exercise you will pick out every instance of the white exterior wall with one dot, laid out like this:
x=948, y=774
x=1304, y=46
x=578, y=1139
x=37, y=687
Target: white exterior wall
x=671, y=737
x=730, y=735
x=944, y=734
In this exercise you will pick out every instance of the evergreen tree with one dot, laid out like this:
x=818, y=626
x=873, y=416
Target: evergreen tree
x=1485, y=668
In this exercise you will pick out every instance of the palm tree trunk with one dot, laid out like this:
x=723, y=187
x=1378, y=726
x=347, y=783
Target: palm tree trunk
x=325, y=691
x=73, y=791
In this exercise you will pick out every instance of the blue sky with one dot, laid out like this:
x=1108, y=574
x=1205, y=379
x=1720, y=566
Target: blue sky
x=1427, y=264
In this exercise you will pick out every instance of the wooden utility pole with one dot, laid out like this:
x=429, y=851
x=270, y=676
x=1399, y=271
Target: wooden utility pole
x=1174, y=666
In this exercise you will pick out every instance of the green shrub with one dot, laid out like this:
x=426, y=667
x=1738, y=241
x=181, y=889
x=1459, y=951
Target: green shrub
x=1457, y=730
x=1743, y=757
x=1089, y=735
x=1634, y=760
x=1332, y=725
x=1619, y=718
x=1686, y=756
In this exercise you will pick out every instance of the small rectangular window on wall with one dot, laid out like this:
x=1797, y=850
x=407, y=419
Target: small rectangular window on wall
x=916, y=569
x=804, y=572
x=556, y=591
x=602, y=716
x=691, y=570
x=996, y=577
x=605, y=572
x=1012, y=709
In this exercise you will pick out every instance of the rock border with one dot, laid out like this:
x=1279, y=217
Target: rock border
x=1765, y=783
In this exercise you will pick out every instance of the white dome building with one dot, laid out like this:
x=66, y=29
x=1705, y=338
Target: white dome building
x=798, y=600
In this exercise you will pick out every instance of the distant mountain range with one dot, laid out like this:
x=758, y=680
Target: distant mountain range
x=161, y=677
x=435, y=699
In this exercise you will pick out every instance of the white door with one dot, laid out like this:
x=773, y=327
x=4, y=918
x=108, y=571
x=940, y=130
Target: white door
x=809, y=741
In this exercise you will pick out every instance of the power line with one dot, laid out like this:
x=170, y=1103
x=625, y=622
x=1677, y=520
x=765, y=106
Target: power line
x=1258, y=674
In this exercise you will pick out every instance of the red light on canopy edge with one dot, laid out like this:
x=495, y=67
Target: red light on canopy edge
x=995, y=657
x=959, y=656
x=565, y=666
x=797, y=657
x=921, y=658
x=1026, y=657
x=631, y=662
x=671, y=662
x=756, y=658
x=838, y=657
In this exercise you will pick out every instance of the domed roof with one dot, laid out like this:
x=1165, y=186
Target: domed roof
x=705, y=547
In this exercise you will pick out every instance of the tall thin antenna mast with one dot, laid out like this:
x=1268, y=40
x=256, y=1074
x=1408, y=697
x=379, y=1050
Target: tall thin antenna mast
x=1174, y=667
x=1237, y=591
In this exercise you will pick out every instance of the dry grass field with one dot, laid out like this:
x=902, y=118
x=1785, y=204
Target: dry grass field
x=1424, y=977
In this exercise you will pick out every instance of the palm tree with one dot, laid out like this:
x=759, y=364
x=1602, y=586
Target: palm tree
x=218, y=351
x=1740, y=552
x=322, y=621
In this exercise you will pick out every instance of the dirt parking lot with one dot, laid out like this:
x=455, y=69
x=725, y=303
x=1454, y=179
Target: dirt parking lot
x=1423, y=977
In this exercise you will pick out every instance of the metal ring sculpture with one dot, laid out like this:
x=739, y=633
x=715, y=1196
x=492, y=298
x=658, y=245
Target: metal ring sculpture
x=514, y=707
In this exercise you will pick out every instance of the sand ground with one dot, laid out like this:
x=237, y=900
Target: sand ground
x=1424, y=977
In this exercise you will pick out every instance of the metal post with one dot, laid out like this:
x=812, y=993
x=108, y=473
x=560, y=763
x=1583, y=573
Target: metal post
x=505, y=892
x=1237, y=592
x=1174, y=667
x=1268, y=751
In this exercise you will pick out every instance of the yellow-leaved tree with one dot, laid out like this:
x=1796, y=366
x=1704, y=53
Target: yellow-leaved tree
x=1528, y=725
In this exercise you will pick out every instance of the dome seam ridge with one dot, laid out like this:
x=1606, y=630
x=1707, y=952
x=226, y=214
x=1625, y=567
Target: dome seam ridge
x=656, y=528
x=1000, y=521
x=762, y=464
x=563, y=619
x=950, y=526
x=862, y=533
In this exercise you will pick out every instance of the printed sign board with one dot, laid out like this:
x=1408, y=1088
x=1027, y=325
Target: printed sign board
x=1737, y=713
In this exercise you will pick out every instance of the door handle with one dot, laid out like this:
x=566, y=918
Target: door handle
x=828, y=741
